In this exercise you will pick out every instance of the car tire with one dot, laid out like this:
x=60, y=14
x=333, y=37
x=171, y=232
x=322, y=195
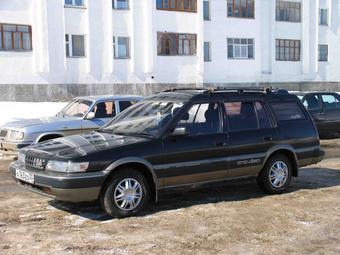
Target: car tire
x=125, y=194
x=276, y=174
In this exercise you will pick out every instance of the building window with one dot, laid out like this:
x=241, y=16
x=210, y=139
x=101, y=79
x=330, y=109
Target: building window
x=121, y=47
x=288, y=11
x=323, y=17
x=206, y=9
x=323, y=52
x=287, y=50
x=177, y=5
x=207, y=51
x=75, y=3
x=241, y=8
x=240, y=48
x=173, y=44
x=15, y=37
x=75, y=45
x=120, y=4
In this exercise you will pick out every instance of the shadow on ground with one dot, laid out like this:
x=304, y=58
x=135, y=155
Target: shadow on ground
x=309, y=179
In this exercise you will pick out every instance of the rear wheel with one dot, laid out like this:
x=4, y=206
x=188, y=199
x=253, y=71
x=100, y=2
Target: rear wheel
x=126, y=194
x=276, y=175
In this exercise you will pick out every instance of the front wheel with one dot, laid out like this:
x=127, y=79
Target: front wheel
x=276, y=175
x=126, y=194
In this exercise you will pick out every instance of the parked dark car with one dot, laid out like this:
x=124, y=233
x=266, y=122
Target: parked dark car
x=176, y=139
x=325, y=110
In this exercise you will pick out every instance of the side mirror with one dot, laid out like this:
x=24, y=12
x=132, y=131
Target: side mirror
x=90, y=116
x=179, y=131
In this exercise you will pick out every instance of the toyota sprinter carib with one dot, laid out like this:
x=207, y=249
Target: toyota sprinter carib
x=176, y=139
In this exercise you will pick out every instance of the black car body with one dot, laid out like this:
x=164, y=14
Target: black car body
x=181, y=138
x=324, y=108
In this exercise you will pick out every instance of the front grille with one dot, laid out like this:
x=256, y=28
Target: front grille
x=3, y=133
x=34, y=162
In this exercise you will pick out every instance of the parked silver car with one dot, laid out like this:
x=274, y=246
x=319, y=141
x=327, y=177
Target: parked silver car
x=82, y=114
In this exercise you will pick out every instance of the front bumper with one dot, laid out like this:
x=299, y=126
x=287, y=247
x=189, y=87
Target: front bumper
x=79, y=187
x=12, y=146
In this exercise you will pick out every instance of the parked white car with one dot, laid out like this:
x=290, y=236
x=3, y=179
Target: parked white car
x=82, y=114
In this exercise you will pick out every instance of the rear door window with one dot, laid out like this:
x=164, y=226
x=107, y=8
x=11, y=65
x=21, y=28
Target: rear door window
x=123, y=105
x=262, y=116
x=312, y=102
x=285, y=111
x=241, y=116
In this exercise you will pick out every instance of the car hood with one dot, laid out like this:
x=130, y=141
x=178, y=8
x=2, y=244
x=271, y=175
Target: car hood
x=26, y=123
x=81, y=145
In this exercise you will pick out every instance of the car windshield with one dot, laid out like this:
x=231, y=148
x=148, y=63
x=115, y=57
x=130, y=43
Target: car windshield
x=144, y=118
x=76, y=108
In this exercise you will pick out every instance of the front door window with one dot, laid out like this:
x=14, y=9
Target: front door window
x=105, y=110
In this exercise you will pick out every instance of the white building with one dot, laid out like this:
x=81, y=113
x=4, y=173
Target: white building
x=167, y=41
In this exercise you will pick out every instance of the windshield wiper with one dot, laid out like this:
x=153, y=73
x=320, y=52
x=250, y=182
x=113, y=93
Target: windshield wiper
x=103, y=130
x=135, y=134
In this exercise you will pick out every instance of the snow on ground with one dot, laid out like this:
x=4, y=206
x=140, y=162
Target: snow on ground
x=11, y=111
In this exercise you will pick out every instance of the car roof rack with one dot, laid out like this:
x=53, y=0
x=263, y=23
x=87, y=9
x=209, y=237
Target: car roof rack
x=179, y=89
x=243, y=89
x=267, y=90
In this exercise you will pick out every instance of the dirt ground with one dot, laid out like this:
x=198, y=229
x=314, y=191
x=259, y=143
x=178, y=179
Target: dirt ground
x=236, y=218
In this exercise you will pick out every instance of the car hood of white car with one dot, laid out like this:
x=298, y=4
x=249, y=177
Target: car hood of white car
x=25, y=123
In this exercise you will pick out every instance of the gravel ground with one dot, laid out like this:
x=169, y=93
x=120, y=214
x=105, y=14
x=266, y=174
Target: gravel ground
x=236, y=218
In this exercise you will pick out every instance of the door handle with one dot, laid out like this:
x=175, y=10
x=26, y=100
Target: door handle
x=221, y=144
x=268, y=138
x=321, y=113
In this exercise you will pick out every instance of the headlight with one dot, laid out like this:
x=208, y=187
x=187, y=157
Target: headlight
x=66, y=167
x=16, y=135
x=21, y=156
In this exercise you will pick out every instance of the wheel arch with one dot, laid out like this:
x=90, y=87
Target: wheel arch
x=51, y=135
x=141, y=165
x=287, y=151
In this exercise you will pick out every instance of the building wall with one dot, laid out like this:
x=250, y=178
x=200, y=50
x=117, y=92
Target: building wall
x=51, y=20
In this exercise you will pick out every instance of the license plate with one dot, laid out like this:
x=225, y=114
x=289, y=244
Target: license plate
x=24, y=176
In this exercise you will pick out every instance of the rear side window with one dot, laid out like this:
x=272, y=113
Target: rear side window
x=288, y=111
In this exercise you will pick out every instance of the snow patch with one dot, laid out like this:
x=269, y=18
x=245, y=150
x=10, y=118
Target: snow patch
x=75, y=220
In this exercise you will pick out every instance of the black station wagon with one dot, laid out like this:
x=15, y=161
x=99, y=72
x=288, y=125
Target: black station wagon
x=176, y=139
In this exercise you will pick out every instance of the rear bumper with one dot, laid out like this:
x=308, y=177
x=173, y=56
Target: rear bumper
x=319, y=155
x=64, y=187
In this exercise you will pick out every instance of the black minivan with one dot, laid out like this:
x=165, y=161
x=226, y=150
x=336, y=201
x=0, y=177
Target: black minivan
x=325, y=110
x=176, y=139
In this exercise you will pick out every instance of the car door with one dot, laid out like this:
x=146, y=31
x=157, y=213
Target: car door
x=103, y=112
x=251, y=135
x=331, y=106
x=200, y=154
x=313, y=104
